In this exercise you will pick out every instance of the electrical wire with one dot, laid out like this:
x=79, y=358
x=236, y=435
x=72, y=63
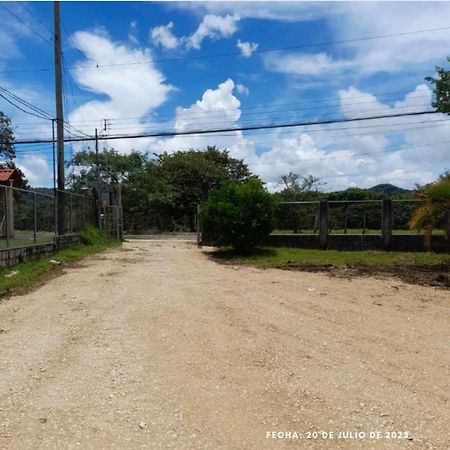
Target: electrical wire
x=221, y=130
x=268, y=50
x=27, y=25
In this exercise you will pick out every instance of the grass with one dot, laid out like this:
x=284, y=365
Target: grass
x=354, y=231
x=277, y=257
x=32, y=273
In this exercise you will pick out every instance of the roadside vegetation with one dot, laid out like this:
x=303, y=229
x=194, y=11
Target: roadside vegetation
x=431, y=269
x=283, y=256
x=22, y=277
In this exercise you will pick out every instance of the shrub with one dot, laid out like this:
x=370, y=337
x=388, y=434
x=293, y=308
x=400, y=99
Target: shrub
x=239, y=215
x=92, y=236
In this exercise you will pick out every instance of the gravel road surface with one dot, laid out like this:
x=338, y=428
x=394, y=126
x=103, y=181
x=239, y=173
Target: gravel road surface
x=154, y=345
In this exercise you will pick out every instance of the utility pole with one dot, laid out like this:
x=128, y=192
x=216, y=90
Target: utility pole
x=97, y=169
x=97, y=182
x=59, y=119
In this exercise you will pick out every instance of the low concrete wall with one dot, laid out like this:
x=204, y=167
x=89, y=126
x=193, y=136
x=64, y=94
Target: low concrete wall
x=401, y=242
x=67, y=240
x=12, y=256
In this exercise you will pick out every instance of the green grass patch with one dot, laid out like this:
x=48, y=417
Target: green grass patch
x=281, y=256
x=35, y=272
x=355, y=231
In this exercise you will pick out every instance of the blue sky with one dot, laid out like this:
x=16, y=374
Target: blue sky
x=148, y=66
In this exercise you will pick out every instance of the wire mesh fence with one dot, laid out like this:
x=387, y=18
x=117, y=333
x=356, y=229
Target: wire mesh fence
x=28, y=217
x=344, y=217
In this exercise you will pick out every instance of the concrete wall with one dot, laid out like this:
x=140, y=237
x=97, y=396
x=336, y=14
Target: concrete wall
x=401, y=242
x=12, y=256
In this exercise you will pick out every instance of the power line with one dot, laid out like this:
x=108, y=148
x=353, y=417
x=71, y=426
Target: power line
x=27, y=25
x=20, y=108
x=222, y=55
x=38, y=112
x=222, y=130
x=22, y=4
x=265, y=107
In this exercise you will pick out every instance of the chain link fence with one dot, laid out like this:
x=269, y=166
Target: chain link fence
x=344, y=217
x=27, y=217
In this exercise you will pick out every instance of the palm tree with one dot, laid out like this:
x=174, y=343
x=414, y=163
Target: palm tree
x=434, y=211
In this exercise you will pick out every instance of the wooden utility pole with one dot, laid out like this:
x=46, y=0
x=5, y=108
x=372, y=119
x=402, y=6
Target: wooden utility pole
x=97, y=182
x=59, y=120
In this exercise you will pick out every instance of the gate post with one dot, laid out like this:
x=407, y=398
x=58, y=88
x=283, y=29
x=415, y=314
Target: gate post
x=198, y=225
x=323, y=224
x=386, y=222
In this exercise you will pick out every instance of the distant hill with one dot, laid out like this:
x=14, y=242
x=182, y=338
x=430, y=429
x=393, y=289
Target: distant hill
x=388, y=189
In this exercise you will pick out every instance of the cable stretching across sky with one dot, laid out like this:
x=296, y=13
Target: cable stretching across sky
x=224, y=130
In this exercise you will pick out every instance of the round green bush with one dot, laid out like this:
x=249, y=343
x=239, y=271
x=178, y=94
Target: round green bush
x=238, y=215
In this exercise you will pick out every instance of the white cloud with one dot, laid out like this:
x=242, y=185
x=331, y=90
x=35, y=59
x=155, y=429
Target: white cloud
x=241, y=89
x=286, y=11
x=36, y=170
x=164, y=37
x=132, y=90
x=393, y=151
x=218, y=108
x=316, y=64
x=396, y=53
x=403, y=51
x=133, y=33
x=246, y=48
x=358, y=156
x=213, y=27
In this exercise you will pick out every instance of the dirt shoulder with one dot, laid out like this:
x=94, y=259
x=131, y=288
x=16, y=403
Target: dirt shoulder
x=154, y=345
x=434, y=275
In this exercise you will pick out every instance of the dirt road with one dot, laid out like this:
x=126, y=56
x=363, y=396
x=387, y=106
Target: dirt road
x=156, y=346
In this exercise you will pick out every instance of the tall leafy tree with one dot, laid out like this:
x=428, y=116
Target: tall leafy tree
x=441, y=89
x=7, y=149
x=113, y=168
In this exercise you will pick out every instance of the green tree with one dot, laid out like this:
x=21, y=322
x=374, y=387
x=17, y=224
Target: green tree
x=113, y=168
x=193, y=174
x=434, y=210
x=240, y=215
x=296, y=189
x=441, y=89
x=7, y=149
x=160, y=193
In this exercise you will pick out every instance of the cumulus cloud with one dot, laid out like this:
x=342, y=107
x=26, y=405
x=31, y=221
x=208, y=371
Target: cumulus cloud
x=213, y=27
x=133, y=91
x=246, y=48
x=164, y=36
x=349, y=20
x=362, y=154
x=367, y=152
x=36, y=170
x=218, y=108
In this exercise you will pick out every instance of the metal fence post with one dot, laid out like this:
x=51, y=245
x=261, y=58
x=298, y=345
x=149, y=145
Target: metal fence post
x=70, y=215
x=198, y=224
x=386, y=222
x=5, y=199
x=35, y=219
x=323, y=223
